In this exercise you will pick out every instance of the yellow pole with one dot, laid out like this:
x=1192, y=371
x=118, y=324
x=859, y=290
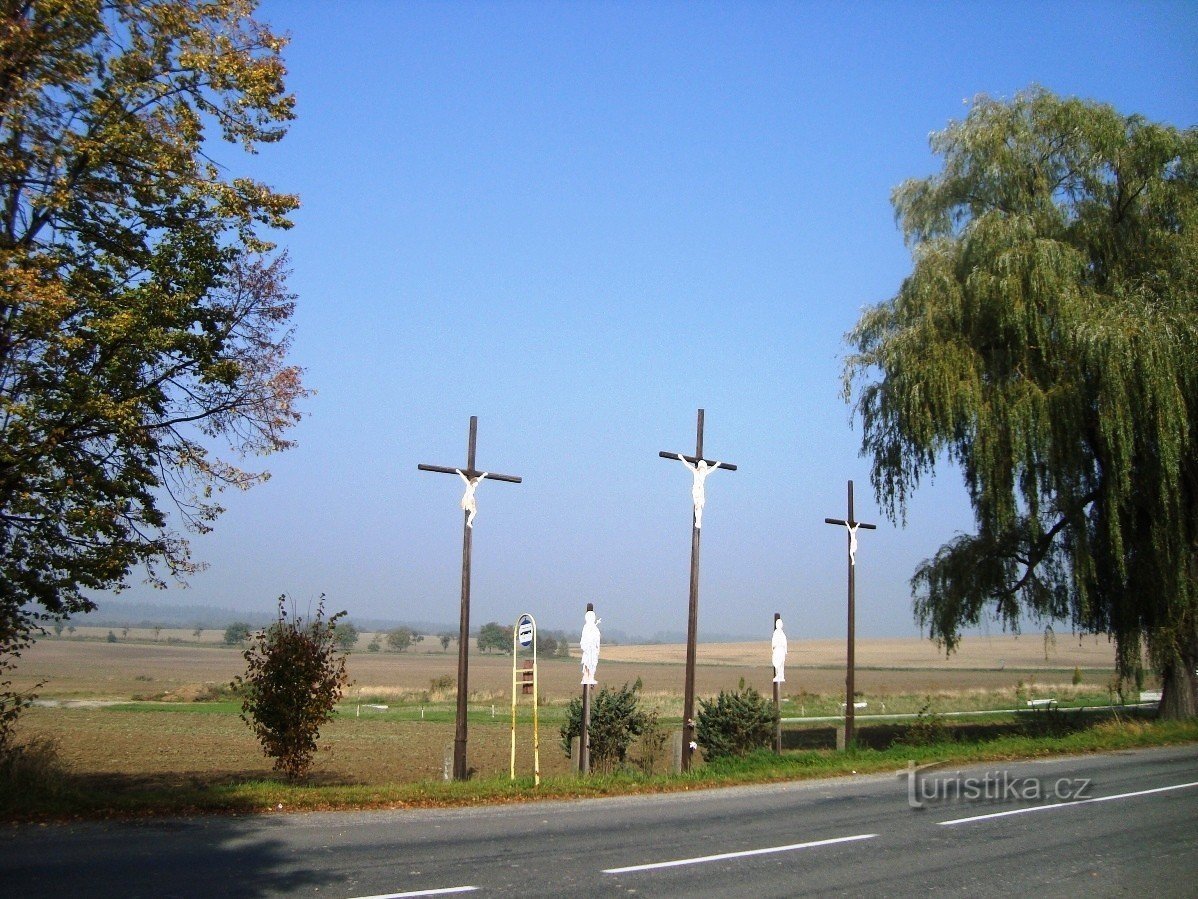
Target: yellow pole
x=536, y=695
x=515, y=661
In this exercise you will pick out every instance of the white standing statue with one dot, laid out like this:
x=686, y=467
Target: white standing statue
x=469, y=503
x=778, y=652
x=589, y=644
x=698, y=491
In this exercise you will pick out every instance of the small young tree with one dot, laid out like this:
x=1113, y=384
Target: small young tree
x=446, y=639
x=735, y=724
x=294, y=677
x=616, y=721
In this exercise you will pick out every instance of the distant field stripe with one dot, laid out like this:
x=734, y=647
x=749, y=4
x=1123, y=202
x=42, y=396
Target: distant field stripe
x=1060, y=805
x=747, y=852
x=444, y=891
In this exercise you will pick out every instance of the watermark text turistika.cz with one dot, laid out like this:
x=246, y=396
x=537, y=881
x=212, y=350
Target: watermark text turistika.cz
x=926, y=786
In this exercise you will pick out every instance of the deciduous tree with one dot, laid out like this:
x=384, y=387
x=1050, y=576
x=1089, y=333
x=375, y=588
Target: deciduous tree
x=144, y=324
x=1046, y=342
x=494, y=635
x=399, y=639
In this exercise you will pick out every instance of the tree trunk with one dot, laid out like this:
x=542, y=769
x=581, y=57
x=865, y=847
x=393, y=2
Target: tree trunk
x=1179, y=690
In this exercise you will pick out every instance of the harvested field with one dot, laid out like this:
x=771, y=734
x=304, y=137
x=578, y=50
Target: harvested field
x=203, y=743
x=975, y=652
x=194, y=749
x=124, y=670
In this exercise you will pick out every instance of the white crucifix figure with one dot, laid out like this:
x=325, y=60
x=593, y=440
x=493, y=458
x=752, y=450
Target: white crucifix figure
x=778, y=652
x=698, y=490
x=852, y=529
x=589, y=644
x=469, y=503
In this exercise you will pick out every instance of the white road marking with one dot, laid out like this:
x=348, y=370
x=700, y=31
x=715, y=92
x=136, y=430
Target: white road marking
x=726, y=855
x=444, y=891
x=1060, y=805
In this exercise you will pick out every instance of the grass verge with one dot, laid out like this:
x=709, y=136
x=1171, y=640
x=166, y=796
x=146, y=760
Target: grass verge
x=34, y=787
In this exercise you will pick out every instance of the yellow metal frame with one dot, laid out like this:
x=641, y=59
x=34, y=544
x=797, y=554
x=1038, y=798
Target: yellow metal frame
x=536, y=693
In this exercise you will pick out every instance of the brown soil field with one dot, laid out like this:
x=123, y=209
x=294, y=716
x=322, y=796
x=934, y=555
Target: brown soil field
x=194, y=747
x=199, y=749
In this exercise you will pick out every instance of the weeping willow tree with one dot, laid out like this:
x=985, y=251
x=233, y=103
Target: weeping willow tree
x=1046, y=343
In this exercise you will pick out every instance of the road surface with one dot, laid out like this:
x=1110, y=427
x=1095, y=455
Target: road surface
x=1114, y=824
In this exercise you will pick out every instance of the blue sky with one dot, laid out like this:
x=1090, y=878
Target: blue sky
x=582, y=222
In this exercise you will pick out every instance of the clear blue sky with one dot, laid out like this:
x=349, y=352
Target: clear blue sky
x=581, y=222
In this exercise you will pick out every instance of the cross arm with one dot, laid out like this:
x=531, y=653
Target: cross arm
x=854, y=524
x=693, y=460
x=471, y=473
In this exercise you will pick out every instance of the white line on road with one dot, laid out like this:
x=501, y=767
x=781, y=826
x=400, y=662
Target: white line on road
x=726, y=855
x=444, y=891
x=1060, y=805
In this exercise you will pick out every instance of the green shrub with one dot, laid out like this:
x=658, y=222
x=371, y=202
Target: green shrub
x=616, y=721
x=294, y=678
x=735, y=724
x=237, y=632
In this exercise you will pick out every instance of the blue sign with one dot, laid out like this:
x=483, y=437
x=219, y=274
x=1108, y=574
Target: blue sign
x=524, y=630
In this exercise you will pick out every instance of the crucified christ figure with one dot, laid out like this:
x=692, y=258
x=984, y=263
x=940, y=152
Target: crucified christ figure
x=852, y=528
x=698, y=492
x=469, y=503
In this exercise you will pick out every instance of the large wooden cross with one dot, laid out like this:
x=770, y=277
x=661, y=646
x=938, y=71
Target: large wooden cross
x=473, y=476
x=692, y=627
x=851, y=524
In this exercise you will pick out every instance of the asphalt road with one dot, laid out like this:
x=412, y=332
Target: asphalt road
x=1106, y=825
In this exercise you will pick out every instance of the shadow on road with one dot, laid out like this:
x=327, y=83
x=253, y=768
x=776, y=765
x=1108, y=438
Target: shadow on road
x=228, y=855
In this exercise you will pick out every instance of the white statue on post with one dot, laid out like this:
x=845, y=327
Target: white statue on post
x=698, y=489
x=778, y=652
x=469, y=504
x=589, y=644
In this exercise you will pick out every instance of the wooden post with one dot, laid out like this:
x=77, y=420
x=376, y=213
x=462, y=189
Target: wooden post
x=584, y=735
x=471, y=473
x=777, y=696
x=692, y=625
x=851, y=524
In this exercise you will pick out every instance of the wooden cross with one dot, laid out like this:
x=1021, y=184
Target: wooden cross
x=692, y=628
x=474, y=476
x=851, y=525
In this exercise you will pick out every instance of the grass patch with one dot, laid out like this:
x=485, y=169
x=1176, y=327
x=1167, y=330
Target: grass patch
x=37, y=786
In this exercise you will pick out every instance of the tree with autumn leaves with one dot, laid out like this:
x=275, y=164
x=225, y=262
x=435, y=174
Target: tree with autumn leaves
x=144, y=314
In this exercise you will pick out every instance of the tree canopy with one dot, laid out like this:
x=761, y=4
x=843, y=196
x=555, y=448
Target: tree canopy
x=494, y=635
x=144, y=320
x=1046, y=342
